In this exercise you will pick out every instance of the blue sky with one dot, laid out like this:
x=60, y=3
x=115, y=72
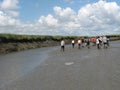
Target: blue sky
x=30, y=10
x=60, y=17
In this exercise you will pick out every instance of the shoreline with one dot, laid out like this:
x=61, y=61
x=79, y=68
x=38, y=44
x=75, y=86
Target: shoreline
x=6, y=48
x=10, y=47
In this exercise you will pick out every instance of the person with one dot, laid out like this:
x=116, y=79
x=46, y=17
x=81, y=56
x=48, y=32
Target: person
x=62, y=45
x=79, y=42
x=88, y=43
x=108, y=39
x=94, y=41
x=100, y=40
x=98, y=43
x=105, y=41
x=73, y=43
x=83, y=42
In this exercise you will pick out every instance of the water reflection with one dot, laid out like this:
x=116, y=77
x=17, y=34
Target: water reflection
x=15, y=65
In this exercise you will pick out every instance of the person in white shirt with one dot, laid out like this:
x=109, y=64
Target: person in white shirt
x=98, y=43
x=105, y=41
x=73, y=43
x=62, y=45
x=100, y=40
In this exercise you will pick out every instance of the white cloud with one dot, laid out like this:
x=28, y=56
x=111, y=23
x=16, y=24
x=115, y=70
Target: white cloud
x=6, y=20
x=64, y=14
x=13, y=13
x=49, y=20
x=8, y=13
x=92, y=19
x=9, y=4
x=10, y=7
x=72, y=25
x=101, y=15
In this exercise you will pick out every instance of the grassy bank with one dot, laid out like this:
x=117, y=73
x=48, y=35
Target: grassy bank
x=13, y=43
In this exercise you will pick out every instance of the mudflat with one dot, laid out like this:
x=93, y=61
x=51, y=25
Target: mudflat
x=73, y=69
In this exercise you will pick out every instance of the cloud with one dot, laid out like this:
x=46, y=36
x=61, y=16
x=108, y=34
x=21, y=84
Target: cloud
x=9, y=4
x=6, y=20
x=49, y=20
x=13, y=13
x=66, y=14
x=92, y=19
x=8, y=13
x=100, y=17
x=10, y=7
x=97, y=18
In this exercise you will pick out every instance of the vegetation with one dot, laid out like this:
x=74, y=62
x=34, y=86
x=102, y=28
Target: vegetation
x=6, y=38
x=13, y=42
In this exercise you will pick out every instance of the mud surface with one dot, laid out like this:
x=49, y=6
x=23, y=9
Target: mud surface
x=51, y=69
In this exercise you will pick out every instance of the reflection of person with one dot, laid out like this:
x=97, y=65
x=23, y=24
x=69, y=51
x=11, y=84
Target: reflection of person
x=73, y=43
x=62, y=45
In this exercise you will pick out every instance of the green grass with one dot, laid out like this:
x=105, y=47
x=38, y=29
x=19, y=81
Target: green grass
x=13, y=42
x=31, y=38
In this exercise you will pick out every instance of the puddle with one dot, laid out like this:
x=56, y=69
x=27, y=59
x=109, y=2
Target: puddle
x=69, y=63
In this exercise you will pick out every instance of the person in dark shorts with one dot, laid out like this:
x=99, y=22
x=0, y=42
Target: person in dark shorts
x=105, y=41
x=98, y=43
x=79, y=42
x=88, y=43
x=83, y=42
x=73, y=43
x=108, y=39
x=62, y=45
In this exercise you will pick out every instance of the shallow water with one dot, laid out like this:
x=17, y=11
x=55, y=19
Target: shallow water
x=15, y=65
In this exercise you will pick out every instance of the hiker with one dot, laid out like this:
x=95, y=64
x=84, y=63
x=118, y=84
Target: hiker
x=105, y=41
x=108, y=39
x=94, y=41
x=83, y=42
x=88, y=43
x=79, y=42
x=100, y=40
x=62, y=45
x=73, y=43
x=98, y=43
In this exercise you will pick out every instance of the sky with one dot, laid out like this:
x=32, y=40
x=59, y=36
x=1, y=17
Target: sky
x=60, y=17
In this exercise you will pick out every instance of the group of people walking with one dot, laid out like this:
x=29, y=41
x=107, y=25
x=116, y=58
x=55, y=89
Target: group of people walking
x=99, y=41
x=102, y=41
